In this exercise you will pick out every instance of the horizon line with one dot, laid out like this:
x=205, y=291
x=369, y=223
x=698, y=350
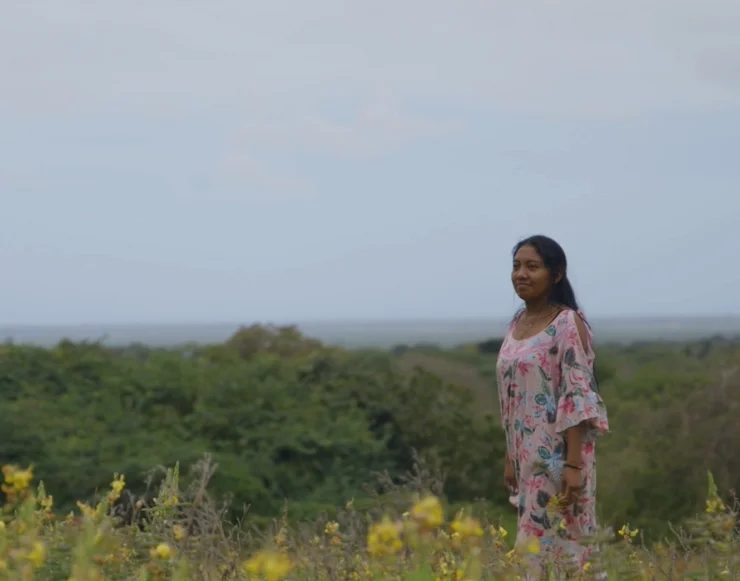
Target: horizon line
x=345, y=321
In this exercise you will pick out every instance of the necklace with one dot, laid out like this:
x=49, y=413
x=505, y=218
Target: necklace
x=530, y=322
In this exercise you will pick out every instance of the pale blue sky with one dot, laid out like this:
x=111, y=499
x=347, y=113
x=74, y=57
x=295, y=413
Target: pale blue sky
x=175, y=160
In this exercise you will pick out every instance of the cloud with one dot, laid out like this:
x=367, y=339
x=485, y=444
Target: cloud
x=354, y=80
x=240, y=170
x=378, y=127
x=251, y=60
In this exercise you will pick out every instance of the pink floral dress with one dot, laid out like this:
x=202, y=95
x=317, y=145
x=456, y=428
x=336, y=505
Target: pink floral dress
x=546, y=385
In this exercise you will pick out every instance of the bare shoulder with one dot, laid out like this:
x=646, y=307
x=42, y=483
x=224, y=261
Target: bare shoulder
x=583, y=332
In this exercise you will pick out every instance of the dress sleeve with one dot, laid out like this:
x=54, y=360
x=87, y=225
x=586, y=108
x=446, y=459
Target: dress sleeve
x=579, y=399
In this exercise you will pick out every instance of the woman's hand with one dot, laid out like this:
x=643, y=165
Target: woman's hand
x=572, y=485
x=510, y=476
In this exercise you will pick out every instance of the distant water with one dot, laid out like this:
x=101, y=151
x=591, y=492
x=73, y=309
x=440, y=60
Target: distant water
x=381, y=334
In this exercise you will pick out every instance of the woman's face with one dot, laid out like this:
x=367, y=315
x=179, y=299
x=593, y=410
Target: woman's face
x=530, y=276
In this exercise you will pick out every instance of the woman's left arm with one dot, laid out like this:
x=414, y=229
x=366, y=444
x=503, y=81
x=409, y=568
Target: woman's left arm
x=574, y=435
x=581, y=413
x=574, y=440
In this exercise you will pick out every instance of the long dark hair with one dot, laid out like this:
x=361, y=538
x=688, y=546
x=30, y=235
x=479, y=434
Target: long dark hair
x=553, y=255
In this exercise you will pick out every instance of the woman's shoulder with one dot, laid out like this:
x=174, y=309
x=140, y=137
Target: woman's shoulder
x=573, y=322
x=515, y=320
x=570, y=314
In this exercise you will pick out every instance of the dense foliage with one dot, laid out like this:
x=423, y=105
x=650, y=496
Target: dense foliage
x=288, y=419
x=283, y=417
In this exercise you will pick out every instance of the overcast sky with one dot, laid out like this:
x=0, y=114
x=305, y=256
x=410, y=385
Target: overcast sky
x=192, y=160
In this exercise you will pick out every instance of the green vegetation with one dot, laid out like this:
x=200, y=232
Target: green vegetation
x=287, y=419
x=182, y=536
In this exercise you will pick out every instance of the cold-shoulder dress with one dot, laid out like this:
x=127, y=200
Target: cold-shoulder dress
x=546, y=385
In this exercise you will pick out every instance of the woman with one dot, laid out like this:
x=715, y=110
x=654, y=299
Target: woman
x=551, y=410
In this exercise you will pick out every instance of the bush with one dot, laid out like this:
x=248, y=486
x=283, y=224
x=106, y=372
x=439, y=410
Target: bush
x=285, y=420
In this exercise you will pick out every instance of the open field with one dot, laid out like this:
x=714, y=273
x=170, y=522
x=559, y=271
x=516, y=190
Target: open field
x=303, y=435
x=181, y=534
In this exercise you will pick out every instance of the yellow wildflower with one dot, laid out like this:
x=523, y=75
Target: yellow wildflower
x=270, y=566
x=17, y=479
x=178, y=532
x=533, y=546
x=47, y=502
x=117, y=487
x=86, y=509
x=627, y=533
x=161, y=551
x=22, y=479
x=331, y=528
x=467, y=527
x=170, y=501
x=714, y=505
x=2, y=525
x=384, y=538
x=428, y=512
x=37, y=554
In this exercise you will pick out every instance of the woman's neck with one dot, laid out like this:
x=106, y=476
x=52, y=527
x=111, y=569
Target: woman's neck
x=537, y=307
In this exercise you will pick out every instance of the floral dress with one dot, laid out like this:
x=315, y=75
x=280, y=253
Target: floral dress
x=546, y=385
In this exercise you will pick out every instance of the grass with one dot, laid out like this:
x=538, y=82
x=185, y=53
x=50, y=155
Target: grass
x=182, y=535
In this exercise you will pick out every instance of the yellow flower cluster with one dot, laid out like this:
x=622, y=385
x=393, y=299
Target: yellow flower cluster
x=268, y=566
x=16, y=482
x=421, y=543
x=331, y=530
x=116, y=488
x=714, y=506
x=162, y=551
x=16, y=478
x=28, y=552
x=627, y=533
x=428, y=513
x=467, y=527
x=384, y=538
